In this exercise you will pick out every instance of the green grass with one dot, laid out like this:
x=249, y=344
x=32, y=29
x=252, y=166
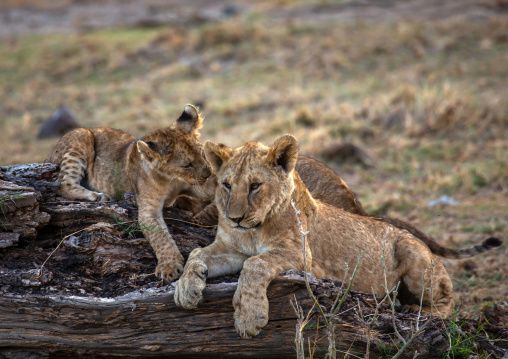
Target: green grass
x=7, y=198
x=134, y=229
x=463, y=343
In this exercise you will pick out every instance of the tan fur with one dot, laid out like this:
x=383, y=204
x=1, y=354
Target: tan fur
x=258, y=235
x=328, y=187
x=157, y=168
x=320, y=180
x=324, y=184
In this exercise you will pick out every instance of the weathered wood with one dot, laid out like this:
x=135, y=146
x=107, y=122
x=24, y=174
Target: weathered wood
x=8, y=239
x=139, y=324
x=19, y=210
x=38, y=212
x=149, y=324
x=96, y=295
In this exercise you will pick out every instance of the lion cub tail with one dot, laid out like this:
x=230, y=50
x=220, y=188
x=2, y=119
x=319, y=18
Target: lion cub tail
x=488, y=244
x=436, y=248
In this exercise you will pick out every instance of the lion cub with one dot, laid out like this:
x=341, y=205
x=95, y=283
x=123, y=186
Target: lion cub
x=101, y=163
x=258, y=234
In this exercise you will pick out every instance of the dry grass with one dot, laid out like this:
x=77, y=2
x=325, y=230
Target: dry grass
x=427, y=101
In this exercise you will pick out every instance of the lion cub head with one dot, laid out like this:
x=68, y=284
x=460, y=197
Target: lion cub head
x=253, y=180
x=176, y=151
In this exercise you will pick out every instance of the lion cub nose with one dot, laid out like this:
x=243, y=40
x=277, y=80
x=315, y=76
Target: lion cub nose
x=206, y=173
x=237, y=219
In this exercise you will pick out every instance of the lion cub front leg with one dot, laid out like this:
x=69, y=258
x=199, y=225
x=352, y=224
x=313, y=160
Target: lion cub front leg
x=212, y=261
x=250, y=300
x=170, y=261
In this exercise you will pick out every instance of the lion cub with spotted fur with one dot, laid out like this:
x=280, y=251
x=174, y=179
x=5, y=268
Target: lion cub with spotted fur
x=258, y=234
x=97, y=164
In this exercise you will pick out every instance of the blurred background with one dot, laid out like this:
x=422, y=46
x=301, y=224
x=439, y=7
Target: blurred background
x=405, y=99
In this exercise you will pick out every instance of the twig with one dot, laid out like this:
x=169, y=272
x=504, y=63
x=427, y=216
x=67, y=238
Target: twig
x=429, y=320
x=135, y=276
x=394, y=290
x=301, y=323
x=332, y=350
x=346, y=270
x=367, y=329
x=349, y=286
x=304, y=235
x=54, y=250
x=331, y=346
x=421, y=301
x=194, y=224
x=299, y=342
x=316, y=337
x=405, y=343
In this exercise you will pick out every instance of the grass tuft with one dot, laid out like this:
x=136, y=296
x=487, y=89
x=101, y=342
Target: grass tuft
x=7, y=198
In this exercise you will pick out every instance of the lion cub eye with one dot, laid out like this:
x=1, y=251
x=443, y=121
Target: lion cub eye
x=255, y=185
x=187, y=166
x=227, y=185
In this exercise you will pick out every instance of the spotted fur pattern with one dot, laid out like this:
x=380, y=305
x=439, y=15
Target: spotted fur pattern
x=101, y=164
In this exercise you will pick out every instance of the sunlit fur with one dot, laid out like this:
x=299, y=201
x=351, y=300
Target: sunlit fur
x=325, y=185
x=157, y=168
x=240, y=201
x=271, y=242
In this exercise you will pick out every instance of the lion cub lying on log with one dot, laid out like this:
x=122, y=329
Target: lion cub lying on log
x=258, y=234
x=102, y=163
x=327, y=186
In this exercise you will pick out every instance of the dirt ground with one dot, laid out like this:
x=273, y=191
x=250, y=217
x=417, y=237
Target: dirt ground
x=418, y=86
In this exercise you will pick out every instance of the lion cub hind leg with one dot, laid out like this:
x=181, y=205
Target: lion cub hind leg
x=75, y=153
x=419, y=265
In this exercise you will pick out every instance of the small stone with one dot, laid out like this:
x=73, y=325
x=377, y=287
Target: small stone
x=61, y=122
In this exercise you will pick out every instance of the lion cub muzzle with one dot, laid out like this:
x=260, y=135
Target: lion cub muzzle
x=205, y=173
x=237, y=208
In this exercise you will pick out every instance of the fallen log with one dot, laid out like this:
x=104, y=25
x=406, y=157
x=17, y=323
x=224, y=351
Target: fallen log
x=146, y=323
x=76, y=279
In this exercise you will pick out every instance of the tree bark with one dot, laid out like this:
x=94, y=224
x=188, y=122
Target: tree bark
x=96, y=295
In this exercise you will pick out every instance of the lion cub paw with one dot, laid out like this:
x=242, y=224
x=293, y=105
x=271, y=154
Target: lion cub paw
x=169, y=269
x=102, y=197
x=251, y=314
x=97, y=197
x=189, y=289
x=410, y=308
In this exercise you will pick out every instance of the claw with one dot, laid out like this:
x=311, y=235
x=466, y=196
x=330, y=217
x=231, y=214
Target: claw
x=169, y=270
x=189, y=288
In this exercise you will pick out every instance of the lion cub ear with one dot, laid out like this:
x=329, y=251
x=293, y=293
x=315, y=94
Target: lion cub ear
x=283, y=153
x=190, y=120
x=146, y=152
x=216, y=155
